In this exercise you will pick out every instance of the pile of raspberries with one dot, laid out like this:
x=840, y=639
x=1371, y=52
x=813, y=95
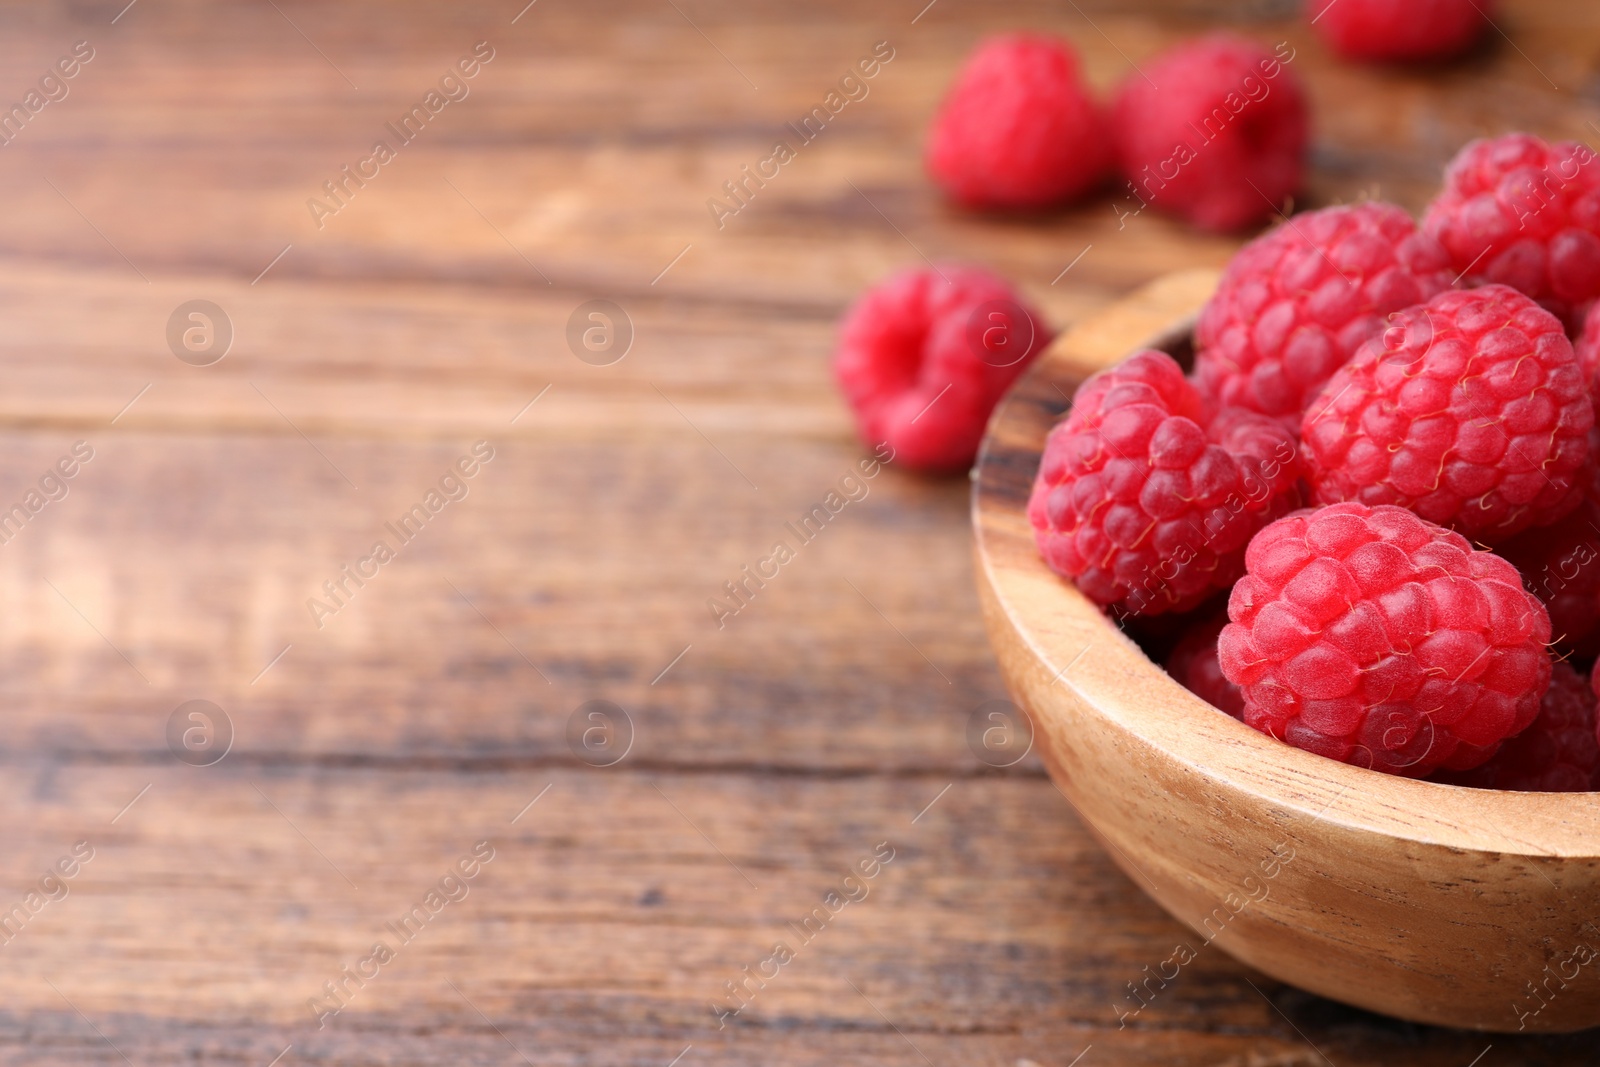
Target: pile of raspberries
x=1367, y=520
x=1212, y=131
x=1386, y=460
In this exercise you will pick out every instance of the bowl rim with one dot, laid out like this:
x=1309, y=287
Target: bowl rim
x=1060, y=627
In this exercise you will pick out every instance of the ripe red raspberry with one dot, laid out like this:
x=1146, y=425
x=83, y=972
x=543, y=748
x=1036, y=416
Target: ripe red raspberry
x=1470, y=410
x=924, y=356
x=1193, y=665
x=1594, y=685
x=1213, y=131
x=1559, y=753
x=1399, y=29
x=1560, y=564
x=1523, y=213
x=1146, y=509
x=1293, y=306
x=1019, y=128
x=1587, y=349
x=1374, y=637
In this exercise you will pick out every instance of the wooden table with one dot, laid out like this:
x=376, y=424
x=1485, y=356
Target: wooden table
x=377, y=740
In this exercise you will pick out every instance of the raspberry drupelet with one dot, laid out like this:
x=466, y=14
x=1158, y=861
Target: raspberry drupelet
x=1372, y=636
x=1294, y=305
x=1470, y=410
x=1146, y=506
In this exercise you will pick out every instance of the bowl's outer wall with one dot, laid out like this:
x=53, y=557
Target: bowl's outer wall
x=1318, y=874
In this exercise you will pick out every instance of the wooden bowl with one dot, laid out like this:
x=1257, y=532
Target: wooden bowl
x=1460, y=907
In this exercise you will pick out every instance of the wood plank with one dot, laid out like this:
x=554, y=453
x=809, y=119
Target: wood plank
x=605, y=908
x=201, y=607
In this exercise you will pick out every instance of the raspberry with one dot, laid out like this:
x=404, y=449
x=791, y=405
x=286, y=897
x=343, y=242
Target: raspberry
x=1143, y=507
x=1587, y=349
x=1374, y=637
x=1193, y=665
x=1559, y=753
x=1294, y=305
x=1018, y=129
x=1523, y=213
x=1399, y=29
x=1213, y=130
x=1560, y=564
x=1470, y=410
x=924, y=357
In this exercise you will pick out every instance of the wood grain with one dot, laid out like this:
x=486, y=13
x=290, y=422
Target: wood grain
x=422, y=318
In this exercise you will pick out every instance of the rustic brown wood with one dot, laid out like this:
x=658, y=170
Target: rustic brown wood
x=418, y=720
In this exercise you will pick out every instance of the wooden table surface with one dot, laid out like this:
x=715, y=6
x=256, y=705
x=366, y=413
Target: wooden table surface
x=377, y=741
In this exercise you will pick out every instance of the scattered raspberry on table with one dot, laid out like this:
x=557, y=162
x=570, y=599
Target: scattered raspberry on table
x=1193, y=665
x=924, y=356
x=1398, y=30
x=1145, y=506
x=1470, y=410
x=1213, y=131
x=1294, y=305
x=1523, y=213
x=1558, y=753
x=1019, y=129
x=1374, y=637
